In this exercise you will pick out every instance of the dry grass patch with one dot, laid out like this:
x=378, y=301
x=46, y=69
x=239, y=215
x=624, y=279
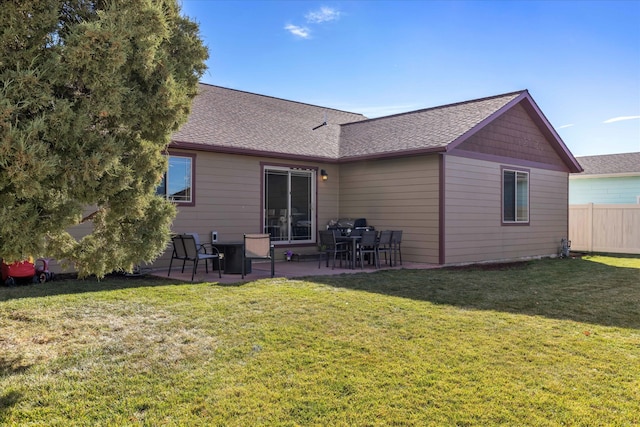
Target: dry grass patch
x=137, y=335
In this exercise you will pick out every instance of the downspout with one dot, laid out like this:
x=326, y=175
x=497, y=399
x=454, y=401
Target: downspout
x=441, y=210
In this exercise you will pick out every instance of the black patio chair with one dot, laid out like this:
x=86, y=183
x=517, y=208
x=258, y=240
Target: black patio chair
x=186, y=249
x=329, y=246
x=178, y=252
x=396, y=244
x=369, y=245
x=385, y=246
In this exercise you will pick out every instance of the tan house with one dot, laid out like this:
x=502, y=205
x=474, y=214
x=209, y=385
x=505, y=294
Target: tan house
x=480, y=180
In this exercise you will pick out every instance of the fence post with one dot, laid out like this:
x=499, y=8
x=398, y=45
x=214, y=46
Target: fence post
x=590, y=226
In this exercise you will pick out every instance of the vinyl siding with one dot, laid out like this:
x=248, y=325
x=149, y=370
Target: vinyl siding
x=395, y=194
x=472, y=213
x=613, y=190
x=228, y=194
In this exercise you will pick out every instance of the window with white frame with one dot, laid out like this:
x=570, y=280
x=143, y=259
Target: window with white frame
x=177, y=182
x=289, y=204
x=515, y=196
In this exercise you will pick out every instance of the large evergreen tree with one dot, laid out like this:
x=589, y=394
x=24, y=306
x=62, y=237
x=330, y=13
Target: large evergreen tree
x=90, y=92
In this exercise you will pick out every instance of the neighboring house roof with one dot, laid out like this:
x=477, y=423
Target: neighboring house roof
x=625, y=164
x=228, y=120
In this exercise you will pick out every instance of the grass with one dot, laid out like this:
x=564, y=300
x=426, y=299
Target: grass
x=550, y=342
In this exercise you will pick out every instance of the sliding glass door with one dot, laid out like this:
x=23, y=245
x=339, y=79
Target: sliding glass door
x=289, y=204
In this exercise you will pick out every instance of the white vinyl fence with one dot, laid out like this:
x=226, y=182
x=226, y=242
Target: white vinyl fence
x=605, y=228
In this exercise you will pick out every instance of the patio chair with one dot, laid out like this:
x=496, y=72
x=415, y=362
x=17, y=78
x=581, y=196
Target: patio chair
x=178, y=253
x=258, y=246
x=186, y=249
x=369, y=245
x=385, y=246
x=396, y=244
x=329, y=246
x=200, y=246
x=209, y=248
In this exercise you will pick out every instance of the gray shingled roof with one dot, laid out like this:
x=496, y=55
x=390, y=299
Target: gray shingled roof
x=430, y=128
x=610, y=164
x=229, y=120
x=241, y=121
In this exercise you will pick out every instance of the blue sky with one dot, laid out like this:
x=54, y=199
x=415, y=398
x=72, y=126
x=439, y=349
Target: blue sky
x=580, y=60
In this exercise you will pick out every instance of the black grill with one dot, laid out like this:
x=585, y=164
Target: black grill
x=346, y=225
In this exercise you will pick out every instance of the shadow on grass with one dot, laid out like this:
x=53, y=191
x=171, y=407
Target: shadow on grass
x=7, y=400
x=12, y=366
x=572, y=289
x=568, y=289
x=69, y=284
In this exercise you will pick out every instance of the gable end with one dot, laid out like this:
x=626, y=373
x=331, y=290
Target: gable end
x=514, y=135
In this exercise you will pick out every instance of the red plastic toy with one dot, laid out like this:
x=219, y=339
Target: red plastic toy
x=18, y=270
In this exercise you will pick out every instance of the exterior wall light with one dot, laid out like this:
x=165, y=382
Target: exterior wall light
x=324, y=174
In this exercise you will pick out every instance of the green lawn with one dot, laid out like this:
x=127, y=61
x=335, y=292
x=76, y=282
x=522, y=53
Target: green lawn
x=545, y=343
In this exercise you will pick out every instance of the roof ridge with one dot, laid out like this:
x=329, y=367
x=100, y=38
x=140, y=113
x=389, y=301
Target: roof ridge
x=281, y=99
x=453, y=104
x=609, y=154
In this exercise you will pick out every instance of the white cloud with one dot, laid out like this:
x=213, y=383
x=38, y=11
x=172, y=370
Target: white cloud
x=566, y=126
x=619, y=119
x=325, y=14
x=301, y=32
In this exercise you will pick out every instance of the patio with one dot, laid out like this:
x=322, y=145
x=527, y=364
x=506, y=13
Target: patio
x=286, y=269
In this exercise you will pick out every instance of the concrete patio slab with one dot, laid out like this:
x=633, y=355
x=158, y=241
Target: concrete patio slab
x=287, y=269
